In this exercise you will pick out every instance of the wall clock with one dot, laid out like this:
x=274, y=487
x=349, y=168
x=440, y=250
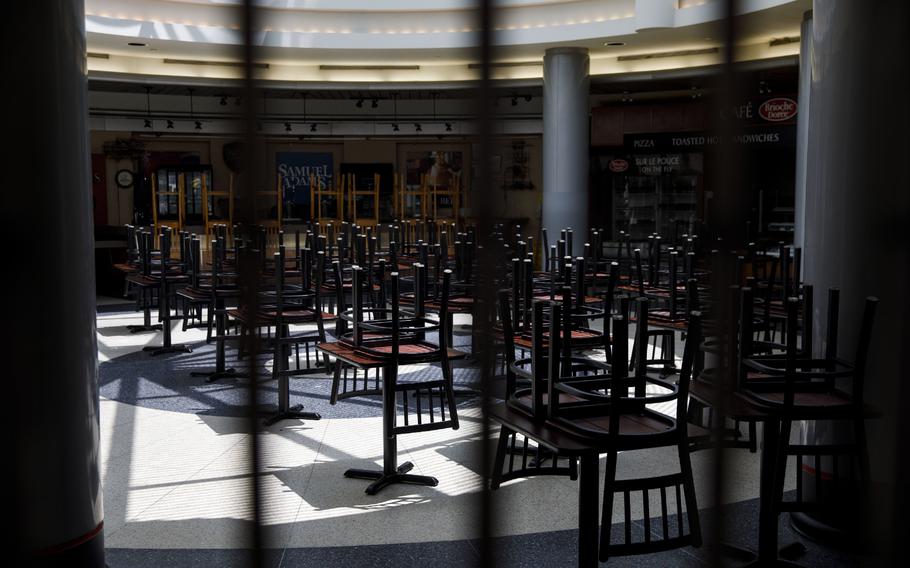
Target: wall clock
x=124, y=179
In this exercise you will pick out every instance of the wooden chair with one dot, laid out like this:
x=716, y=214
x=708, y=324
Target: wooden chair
x=292, y=306
x=620, y=421
x=800, y=388
x=526, y=393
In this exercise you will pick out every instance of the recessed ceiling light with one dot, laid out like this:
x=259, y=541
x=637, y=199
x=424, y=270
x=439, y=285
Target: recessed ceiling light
x=614, y=44
x=136, y=44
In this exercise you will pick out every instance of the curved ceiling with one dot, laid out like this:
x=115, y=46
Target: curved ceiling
x=351, y=41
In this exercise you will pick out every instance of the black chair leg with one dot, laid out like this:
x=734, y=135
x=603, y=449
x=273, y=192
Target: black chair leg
x=685, y=466
x=500, y=457
x=606, y=519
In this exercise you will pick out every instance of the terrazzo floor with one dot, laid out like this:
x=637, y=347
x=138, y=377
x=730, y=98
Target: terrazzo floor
x=177, y=476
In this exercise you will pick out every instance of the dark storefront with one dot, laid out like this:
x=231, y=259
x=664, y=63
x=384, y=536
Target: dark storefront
x=652, y=176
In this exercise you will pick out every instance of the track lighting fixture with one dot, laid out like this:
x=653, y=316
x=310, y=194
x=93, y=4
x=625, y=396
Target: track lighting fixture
x=375, y=103
x=514, y=101
x=148, y=107
x=395, y=112
x=223, y=101
x=763, y=88
x=287, y=127
x=528, y=98
x=170, y=123
x=448, y=127
x=198, y=125
x=417, y=127
x=313, y=127
x=359, y=103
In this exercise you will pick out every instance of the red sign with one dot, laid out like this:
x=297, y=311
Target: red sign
x=778, y=109
x=618, y=165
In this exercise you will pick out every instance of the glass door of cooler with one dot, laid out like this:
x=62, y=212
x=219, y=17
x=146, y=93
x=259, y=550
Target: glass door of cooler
x=635, y=200
x=677, y=205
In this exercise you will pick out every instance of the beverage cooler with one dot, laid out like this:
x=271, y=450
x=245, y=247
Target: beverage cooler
x=654, y=193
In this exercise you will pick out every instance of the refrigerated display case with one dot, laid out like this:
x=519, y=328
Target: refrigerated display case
x=657, y=194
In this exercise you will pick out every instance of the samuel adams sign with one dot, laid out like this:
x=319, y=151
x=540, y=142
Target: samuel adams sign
x=295, y=169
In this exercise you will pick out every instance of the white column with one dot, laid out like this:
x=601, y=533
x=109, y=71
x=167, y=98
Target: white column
x=802, y=129
x=566, y=136
x=51, y=365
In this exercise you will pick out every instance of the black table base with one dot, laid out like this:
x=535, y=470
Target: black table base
x=212, y=376
x=384, y=479
x=162, y=349
x=293, y=413
x=141, y=328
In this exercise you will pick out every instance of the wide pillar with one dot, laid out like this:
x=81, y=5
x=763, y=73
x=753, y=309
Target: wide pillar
x=802, y=129
x=55, y=501
x=566, y=143
x=857, y=219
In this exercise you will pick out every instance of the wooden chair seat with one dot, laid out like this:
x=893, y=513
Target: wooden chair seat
x=558, y=298
x=195, y=294
x=350, y=356
x=143, y=281
x=408, y=348
x=629, y=424
x=813, y=400
x=581, y=338
x=735, y=406
x=271, y=316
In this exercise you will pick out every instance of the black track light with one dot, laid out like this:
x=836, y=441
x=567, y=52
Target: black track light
x=394, y=128
x=287, y=127
x=359, y=103
x=313, y=127
x=514, y=101
x=448, y=127
x=528, y=98
x=170, y=124
x=148, y=107
x=223, y=101
x=417, y=127
x=198, y=125
x=375, y=103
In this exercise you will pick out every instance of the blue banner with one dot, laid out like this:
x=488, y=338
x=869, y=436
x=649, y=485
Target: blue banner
x=295, y=169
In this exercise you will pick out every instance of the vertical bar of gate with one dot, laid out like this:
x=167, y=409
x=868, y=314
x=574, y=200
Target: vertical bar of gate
x=486, y=275
x=248, y=269
x=729, y=217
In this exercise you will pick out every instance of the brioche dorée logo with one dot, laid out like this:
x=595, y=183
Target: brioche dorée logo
x=618, y=165
x=777, y=109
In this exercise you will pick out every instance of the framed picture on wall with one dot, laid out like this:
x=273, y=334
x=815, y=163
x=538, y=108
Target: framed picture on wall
x=443, y=168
